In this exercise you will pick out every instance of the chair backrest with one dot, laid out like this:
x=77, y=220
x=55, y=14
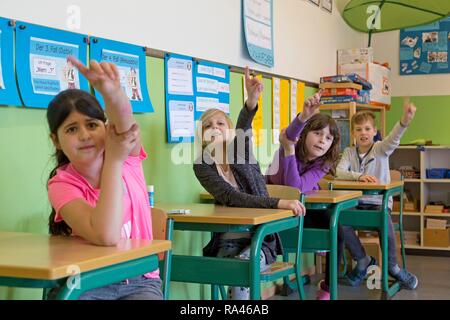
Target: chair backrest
x=395, y=175
x=283, y=192
x=159, y=224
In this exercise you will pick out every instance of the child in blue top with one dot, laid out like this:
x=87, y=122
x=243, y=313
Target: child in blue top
x=369, y=162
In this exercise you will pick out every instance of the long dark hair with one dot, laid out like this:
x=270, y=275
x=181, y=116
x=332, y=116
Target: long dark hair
x=58, y=110
x=318, y=122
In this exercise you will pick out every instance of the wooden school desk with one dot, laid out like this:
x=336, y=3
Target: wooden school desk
x=371, y=219
x=216, y=218
x=209, y=217
x=326, y=239
x=44, y=261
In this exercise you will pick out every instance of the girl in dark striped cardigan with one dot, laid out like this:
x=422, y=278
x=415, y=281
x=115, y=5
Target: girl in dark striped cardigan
x=228, y=170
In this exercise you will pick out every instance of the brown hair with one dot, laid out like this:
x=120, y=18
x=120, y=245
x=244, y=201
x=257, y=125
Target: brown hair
x=361, y=117
x=58, y=110
x=318, y=122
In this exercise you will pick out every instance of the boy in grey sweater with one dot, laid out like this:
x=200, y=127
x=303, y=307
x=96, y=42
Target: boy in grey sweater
x=368, y=161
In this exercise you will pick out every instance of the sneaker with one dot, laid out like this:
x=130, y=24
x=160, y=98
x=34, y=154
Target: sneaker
x=238, y=293
x=323, y=292
x=356, y=276
x=407, y=279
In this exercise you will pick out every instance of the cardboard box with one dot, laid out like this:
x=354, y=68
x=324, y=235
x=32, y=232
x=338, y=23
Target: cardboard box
x=436, y=238
x=436, y=224
x=407, y=206
x=359, y=55
x=377, y=75
x=434, y=208
x=372, y=247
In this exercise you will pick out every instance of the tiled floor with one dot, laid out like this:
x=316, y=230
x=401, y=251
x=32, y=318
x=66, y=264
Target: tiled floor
x=434, y=283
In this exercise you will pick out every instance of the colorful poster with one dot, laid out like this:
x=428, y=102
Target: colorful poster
x=128, y=66
x=424, y=49
x=180, y=97
x=42, y=67
x=258, y=30
x=131, y=62
x=50, y=70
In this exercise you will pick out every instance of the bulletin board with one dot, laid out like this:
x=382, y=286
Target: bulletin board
x=424, y=49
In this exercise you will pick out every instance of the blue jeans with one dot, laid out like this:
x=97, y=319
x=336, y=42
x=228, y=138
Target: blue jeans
x=356, y=249
x=137, y=288
x=239, y=249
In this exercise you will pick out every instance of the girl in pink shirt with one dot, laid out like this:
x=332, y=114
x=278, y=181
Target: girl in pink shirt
x=97, y=189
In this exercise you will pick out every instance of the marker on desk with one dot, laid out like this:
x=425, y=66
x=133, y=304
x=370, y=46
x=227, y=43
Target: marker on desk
x=179, y=211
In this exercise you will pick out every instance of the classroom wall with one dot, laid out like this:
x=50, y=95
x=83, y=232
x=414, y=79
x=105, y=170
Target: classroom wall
x=430, y=93
x=305, y=36
x=26, y=162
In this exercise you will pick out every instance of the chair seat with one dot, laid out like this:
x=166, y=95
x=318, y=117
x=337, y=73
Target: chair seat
x=278, y=266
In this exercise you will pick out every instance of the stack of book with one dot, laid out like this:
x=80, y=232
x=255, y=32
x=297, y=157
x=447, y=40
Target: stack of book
x=344, y=89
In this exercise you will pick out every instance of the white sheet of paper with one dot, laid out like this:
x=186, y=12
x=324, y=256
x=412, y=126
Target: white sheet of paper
x=180, y=77
x=205, y=103
x=293, y=99
x=224, y=87
x=258, y=10
x=258, y=34
x=219, y=72
x=181, y=118
x=205, y=70
x=276, y=110
x=207, y=85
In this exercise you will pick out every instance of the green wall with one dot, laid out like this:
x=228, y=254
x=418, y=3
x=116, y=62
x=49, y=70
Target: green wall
x=431, y=121
x=26, y=161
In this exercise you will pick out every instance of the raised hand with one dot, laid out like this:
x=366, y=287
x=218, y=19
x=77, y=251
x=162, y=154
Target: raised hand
x=310, y=107
x=296, y=206
x=119, y=146
x=254, y=89
x=104, y=76
x=409, y=111
x=288, y=145
x=368, y=178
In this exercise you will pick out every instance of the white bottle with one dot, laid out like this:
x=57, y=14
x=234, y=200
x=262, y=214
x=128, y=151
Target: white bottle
x=151, y=195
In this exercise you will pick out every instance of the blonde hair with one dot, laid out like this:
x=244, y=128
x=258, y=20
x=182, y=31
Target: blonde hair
x=361, y=117
x=205, y=118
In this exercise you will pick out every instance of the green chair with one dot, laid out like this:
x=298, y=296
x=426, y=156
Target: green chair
x=163, y=230
x=292, y=243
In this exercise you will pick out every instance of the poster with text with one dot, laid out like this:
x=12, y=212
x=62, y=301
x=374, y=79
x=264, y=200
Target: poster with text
x=130, y=61
x=258, y=30
x=43, y=69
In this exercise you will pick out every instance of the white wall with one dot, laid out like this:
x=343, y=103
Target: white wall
x=387, y=49
x=306, y=37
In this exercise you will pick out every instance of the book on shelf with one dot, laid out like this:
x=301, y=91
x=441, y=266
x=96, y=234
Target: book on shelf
x=330, y=85
x=350, y=77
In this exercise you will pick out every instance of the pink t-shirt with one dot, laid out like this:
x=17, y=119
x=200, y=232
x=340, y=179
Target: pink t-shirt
x=68, y=185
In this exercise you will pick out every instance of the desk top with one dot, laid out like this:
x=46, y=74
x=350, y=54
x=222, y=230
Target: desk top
x=358, y=185
x=331, y=196
x=211, y=213
x=319, y=196
x=37, y=256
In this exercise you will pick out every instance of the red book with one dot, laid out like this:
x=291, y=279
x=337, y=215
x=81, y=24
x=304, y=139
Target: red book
x=339, y=92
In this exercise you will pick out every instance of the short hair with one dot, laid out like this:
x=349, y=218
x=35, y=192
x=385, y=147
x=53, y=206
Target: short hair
x=361, y=117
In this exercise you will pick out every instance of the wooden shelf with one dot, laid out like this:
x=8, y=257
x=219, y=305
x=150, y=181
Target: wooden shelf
x=424, y=190
x=412, y=180
x=436, y=180
x=437, y=215
x=407, y=213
